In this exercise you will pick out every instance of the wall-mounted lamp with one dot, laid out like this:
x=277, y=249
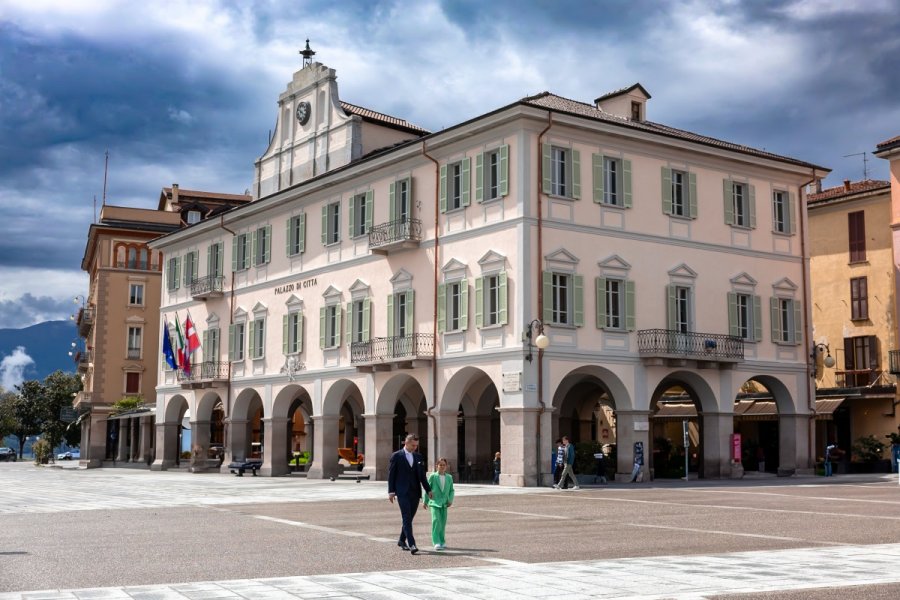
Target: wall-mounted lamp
x=828, y=361
x=535, y=330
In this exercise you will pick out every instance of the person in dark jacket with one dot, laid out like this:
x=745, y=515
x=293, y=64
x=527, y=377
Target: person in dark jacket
x=406, y=478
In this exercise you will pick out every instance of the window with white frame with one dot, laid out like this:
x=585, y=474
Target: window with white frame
x=563, y=298
x=134, y=342
x=679, y=193
x=210, y=344
x=560, y=170
x=359, y=318
x=739, y=204
x=215, y=256
x=491, y=300
x=615, y=304
x=330, y=326
x=236, y=334
x=455, y=185
x=401, y=200
x=782, y=212
x=240, y=256
x=190, y=267
x=744, y=316
x=262, y=245
x=292, y=342
x=612, y=179
x=296, y=235
x=193, y=216
x=785, y=321
x=453, y=306
x=400, y=313
x=492, y=174
x=680, y=308
x=258, y=338
x=136, y=294
x=331, y=223
x=172, y=274
x=361, y=214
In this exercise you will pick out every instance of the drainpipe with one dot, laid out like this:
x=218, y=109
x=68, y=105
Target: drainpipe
x=434, y=323
x=540, y=289
x=230, y=322
x=810, y=370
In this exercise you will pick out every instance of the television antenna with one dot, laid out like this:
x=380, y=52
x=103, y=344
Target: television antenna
x=865, y=163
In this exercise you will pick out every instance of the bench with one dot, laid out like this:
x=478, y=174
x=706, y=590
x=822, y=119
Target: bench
x=239, y=466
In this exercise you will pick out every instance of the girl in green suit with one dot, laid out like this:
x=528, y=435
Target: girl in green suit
x=441, y=483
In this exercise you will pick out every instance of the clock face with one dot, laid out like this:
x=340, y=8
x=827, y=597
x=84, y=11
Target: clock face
x=303, y=110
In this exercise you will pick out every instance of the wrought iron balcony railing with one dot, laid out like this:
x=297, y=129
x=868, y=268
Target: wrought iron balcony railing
x=395, y=235
x=207, y=287
x=392, y=349
x=138, y=265
x=85, y=320
x=83, y=358
x=204, y=372
x=894, y=362
x=856, y=378
x=667, y=343
x=133, y=353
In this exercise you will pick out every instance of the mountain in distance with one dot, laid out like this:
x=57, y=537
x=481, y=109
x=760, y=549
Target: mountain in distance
x=48, y=344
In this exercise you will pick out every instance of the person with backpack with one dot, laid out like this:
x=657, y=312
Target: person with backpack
x=568, y=465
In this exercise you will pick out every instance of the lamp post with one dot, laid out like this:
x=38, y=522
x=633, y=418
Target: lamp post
x=535, y=332
x=820, y=347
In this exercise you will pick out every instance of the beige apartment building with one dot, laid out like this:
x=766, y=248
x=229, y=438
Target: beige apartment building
x=120, y=321
x=552, y=267
x=854, y=312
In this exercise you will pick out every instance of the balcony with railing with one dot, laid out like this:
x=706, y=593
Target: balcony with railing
x=85, y=321
x=83, y=400
x=667, y=345
x=133, y=353
x=894, y=362
x=210, y=286
x=83, y=359
x=386, y=353
x=138, y=265
x=203, y=374
x=854, y=378
x=392, y=236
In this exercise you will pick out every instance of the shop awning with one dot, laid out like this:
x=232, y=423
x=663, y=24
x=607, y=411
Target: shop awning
x=675, y=410
x=132, y=414
x=825, y=407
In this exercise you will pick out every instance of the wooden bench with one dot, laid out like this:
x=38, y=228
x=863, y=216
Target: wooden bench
x=239, y=466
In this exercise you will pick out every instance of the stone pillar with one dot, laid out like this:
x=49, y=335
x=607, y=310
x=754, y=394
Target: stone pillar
x=632, y=426
x=793, y=444
x=93, y=440
x=484, y=453
x=471, y=439
x=325, y=456
x=238, y=441
x=519, y=447
x=445, y=424
x=199, y=446
x=146, y=440
x=276, y=447
x=166, y=446
x=379, y=445
x=121, y=451
x=716, y=431
x=547, y=447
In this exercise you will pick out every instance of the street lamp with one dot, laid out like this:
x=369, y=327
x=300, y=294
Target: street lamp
x=540, y=340
x=818, y=349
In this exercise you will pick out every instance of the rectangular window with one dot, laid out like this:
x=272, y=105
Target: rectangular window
x=786, y=319
x=492, y=175
x=859, y=298
x=333, y=223
x=242, y=252
x=679, y=193
x=215, y=259
x=236, y=342
x=190, y=268
x=357, y=321
x=861, y=354
x=358, y=215
x=400, y=315
x=561, y=299
x=172, y=274
x=559, y=172
x=612, y=177
x=682, y=309
x=210, y=345
x=744, y=305
x=134, y=342
x=193, y=216
x=492, y=300
x=136, y=294
x=296, y=234
x=635, y=111
x=857, y=234
x=615, y=303
x=262, y=244
x=132, y=383
x=780, y=212
x=739, y=204
x=294, y=332
x=402, y=200
x=258, y=338
x=454, y=306
x=332, y=327
x=454, y=186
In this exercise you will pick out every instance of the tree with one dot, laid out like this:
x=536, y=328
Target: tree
x=59, y=390
x=27, y=413
x=7, y=415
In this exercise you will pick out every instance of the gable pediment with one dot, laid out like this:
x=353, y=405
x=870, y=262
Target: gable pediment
x=401, y=276
x=259, y=307
x=240, y=313
x=331, y=293
x=743, y=279
x=785, y=284
x=683, y=271
x=614, y=262
x=294, y=302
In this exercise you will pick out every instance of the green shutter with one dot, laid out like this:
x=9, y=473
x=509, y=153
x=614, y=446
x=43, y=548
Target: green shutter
x=231, y=342
x=576, y=174
x=234, y=254
x=210, y=268
x=792, y=212
x=504, y=170
x=267, y=250
x=464, y=304
x=600, y=301
x=390, y=316
x=252, y=342
x=776, y=319
x=751, y=190
x=322, y=327
x=256, y=254
x=504, y=298
x=177, y=271
x=370, y=209
x=367, y=320
x=733, y=329
x=545, y=168
x=299, y=343
x=287, y=236
x=301, y=234
x=220, y=259
x=410, y=311
x=798, y=323
x=479, y=302
x=204, y=344
x=630, y=313
x=442, y=307
x=479, y=177
x=466, y=184
x=597, y=177
x=392, y=202
x=757, y=318
x=443, y=188
x=337, y=324
x=671, y=305
x=325, y=224
x=692, y=195
x=349, y=326
x=579, y=300
x=186, y=272
x=666, y=176
x=285, y=335
x=728, y=199
x=626, y=182
x=547, y=283
x=352, y=215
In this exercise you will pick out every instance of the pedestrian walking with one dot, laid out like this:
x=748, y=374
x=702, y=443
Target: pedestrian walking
x=830, y=452
x=406, y=478
x=601, y=465
x=497, y=469
x=568, y=469
x=638, y=461
x=441, y=499
x=559, y=457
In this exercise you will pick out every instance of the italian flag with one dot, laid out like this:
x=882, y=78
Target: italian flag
x=180, y=350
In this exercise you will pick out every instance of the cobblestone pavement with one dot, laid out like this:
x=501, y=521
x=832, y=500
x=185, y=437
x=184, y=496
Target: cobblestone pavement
x=649, y=578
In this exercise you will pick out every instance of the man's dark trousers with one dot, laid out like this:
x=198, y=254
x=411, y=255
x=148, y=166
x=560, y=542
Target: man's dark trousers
x=407, y=482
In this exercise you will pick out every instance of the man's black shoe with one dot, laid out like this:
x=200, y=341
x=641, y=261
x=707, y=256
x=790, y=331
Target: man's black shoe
x=403, y=546
x=413, y=550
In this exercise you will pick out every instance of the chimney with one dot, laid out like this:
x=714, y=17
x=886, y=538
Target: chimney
x=174, y=193
x=818, y=185
x=846, y=185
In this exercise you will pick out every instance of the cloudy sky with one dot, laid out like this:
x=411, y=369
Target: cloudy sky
x=185, y=91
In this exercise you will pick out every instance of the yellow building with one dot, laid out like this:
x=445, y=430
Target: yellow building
x=854, y=313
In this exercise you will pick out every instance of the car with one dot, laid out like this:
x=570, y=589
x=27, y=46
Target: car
x=7, y=454
x=67, y=455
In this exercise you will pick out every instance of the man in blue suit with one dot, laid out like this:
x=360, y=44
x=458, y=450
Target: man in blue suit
x=406, y=478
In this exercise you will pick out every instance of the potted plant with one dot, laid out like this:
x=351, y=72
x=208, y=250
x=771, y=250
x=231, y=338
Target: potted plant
x=868, y=452
x=42, y=452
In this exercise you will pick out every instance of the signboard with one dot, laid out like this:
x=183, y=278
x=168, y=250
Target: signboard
x=530, y=387
x=736, y=447
x=512, y=382
x=642, y=425
x=67, y=414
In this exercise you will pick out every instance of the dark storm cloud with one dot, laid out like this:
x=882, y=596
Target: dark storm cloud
x=29, y=309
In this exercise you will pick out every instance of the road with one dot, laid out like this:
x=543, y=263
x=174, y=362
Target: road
x=137, y=534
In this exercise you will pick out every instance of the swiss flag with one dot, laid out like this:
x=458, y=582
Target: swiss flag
x=193, y=340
